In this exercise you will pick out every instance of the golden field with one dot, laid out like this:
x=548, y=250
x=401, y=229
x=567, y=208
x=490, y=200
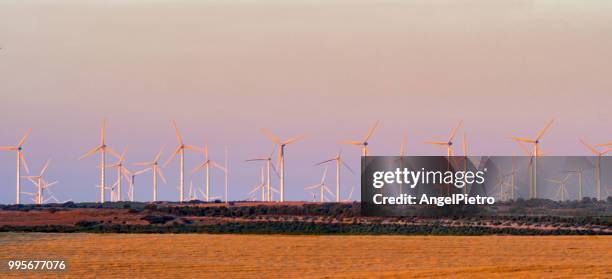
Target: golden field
x=274, y=256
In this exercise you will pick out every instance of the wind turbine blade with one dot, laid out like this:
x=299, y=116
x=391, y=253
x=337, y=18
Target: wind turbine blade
x=256, y=159
x=351, y=193
x=591, y=148
x=142, y=164
x=254, y=189
x=454, y=132
x=114, y=153
x=161, y=175
x=605, y=144
x=214, y=164
x=199, y=167
x=24, y=138
x=272, y=137
x=173, y=156
x=274, y=169
x=193, y=147
x=436, y=142
x=293, y=139
x=312, y=186
x=177, y=133
x=44, y=169
x=543, y=131
x=9, y=148
x=465, y=152
x=326, y=161
x=324, y=176
x=161, y=151
x=142, y=171
x=328, y=191
x=523, y=148
x=90, y=152
x=24, y=163
x=347, y=166
x=352, y=142
x=371, y=131
x=102, y=132
x=523, y=140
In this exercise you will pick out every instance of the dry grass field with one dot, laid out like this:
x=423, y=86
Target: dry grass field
x=281, y=256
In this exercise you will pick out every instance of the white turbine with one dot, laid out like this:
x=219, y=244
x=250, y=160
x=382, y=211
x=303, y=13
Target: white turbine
x=536, y=153
x=321, y=186
x=180, y=151
x=20, y=161
x=154, y=166
x=339, y=161
x=102, y=149
x=206, y=166
x=364, y=142
x=281, y=157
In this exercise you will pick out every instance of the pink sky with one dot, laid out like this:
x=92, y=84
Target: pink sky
x=329, y=69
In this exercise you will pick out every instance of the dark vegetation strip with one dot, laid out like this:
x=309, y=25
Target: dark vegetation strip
x=297, y=228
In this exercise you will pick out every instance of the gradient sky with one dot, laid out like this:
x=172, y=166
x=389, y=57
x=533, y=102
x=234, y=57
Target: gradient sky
x=328, y=69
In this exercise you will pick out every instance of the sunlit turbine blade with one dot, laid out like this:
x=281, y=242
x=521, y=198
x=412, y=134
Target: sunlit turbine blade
x=192, y=147
x=102, y=132
x=159, y=154
x=44, y=169
x=256, y=159
x=178, y=134
x=591, y=148
x=142, y=164
x=272, y=137
x=199, y=167
x=173, y=156
x=24, y=163
x=543, y=131
x=142, y=171
x=436, y=142
x=91, y=152
x=113, y=152
x=24, y=138
x=524, y=148
x=600, y=145
x=353, y=142
x=254, y=189
x=293, y=139
x=161, y=175
x=371, y=131
x=523, y=140
x=454, y=132
x=9, y=148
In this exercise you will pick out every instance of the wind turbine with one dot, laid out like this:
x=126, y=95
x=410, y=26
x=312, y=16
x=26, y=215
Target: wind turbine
x=449, y=142
x=578, y=172
x=269, y=166
x=20, y=161
x=102, y=149
x=349, y=198
x=562, y=190
x=121, y=171
x=321, y=186
x=599, y=154
x=536, y=153
x=364, y=142
x=153, y=165
x=37, y=180
x=281, y=157
x=206, y=166
x=38, y=197
x=339, y=161
x=132, y=181
x=261, y=185
x=180, y=151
